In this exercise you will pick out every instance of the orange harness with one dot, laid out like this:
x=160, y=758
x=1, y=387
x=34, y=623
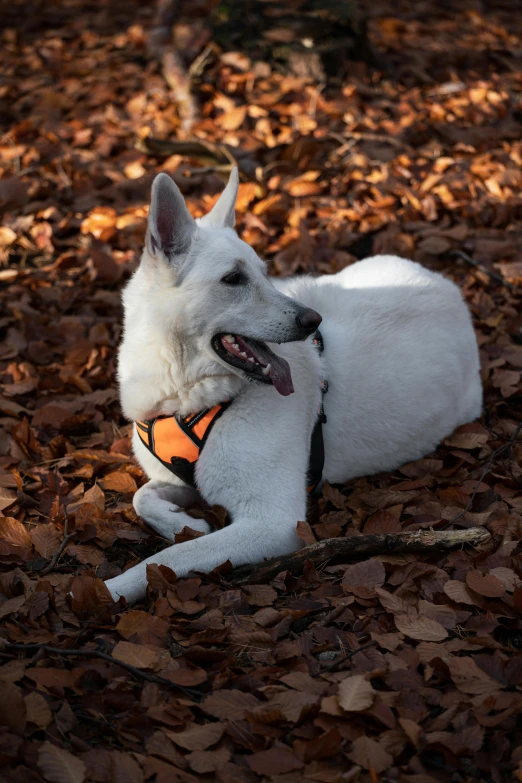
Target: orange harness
x=178, y=443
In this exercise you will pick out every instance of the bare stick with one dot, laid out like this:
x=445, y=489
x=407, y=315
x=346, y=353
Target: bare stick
x=332, y=666
x=30, y=648
x=422, y=541
x=481, y=267
x=57, y=555
x=175, y=74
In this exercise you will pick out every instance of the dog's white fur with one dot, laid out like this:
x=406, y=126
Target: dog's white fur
x=400, y=357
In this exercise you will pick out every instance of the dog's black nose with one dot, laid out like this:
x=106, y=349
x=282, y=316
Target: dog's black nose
x=308, y=321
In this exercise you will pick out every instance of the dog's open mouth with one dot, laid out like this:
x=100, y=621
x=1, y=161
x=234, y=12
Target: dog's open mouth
x=255, y=359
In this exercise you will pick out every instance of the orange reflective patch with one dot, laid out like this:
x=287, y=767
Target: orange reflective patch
x=171, y=441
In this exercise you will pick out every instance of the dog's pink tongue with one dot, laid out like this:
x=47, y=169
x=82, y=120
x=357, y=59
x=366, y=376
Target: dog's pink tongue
x=281, y=376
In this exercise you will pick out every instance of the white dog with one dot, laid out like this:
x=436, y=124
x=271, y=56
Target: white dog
x=400, y=358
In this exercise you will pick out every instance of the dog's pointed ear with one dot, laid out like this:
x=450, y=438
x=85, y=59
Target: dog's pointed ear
x=171, y=225
x=223, y=213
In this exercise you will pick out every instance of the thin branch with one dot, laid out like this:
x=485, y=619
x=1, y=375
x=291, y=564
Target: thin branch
x=59, y=551
x=332, y=666
x=359, y=547
x=481, y=267
x=30, y=648
x=493, y=457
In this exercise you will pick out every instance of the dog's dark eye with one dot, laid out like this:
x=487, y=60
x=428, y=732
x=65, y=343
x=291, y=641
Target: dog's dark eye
x=234, y=278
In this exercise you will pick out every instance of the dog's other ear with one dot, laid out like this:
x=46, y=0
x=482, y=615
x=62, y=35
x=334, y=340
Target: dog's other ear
x=223, y=213
x=170, y=225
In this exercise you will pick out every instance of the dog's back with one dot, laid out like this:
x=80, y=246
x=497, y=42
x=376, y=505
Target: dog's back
x=401, y=360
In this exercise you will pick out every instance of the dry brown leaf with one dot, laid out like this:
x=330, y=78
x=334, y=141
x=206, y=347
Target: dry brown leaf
x=13, y=532
x=260, y=595
x=370, y=754
x=8, y=498
x=230, y=705
x=13, y=710
x=275, y=761
x=59, y=766
x=125, y=769
x=305, y=533
x=485, y=584
x=421, y=628
x=142, y=623
x=38, y=711
x=470, y=436
x=204, y=761
x=232, y=120
x=46, y=540
x=197, y=737
x=355, y=693
x=136, y=655
x=118, y=481
x=393, y=603
x=459, y=592
x=362, y=578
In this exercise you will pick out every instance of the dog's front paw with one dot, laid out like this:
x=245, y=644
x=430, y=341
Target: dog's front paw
x=156, y=503
x=180, y=520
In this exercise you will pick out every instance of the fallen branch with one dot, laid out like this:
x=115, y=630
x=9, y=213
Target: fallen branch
x=57, y=555
x=425, y=542
x=338, y=661
x=482, y=268
x=217, y=157
x=161, y=45
x=34, y=648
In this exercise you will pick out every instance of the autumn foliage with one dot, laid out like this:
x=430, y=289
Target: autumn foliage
x=418, y=153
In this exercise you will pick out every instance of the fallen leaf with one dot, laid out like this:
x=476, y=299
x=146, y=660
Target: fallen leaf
x=276, y=761
x=37, y=710
x=370, y=754
x=355, y=693
x=421, y=628
x=230, y=705
x=136, y=655
x=197, y=737
x=59, y=766
x=362, y=578
x=485, y=584
x=13, y=532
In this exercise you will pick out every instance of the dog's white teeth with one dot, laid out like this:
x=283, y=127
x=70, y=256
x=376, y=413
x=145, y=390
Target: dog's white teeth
x=228, y=338
x=266, y=370
x=251, y=360
x=236, y=346
x=243, y=355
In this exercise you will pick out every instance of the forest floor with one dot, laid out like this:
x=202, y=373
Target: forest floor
x=420, y=156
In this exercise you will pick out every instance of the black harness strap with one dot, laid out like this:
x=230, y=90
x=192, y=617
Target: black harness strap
x=316, y=463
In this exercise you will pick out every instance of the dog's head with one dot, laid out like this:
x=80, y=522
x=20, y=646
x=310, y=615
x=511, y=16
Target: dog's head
x=202, y=295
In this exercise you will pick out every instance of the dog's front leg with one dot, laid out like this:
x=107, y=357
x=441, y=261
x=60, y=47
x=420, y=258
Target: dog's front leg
x=161, y=506
x=247, y=540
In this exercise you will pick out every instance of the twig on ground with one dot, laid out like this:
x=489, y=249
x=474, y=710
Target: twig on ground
x=481, y=267
x=422, y=541
x=28, y=648
x=491, y=460
x=57, y=555
x=356, y=136
x=161, y=46
x=332, y=666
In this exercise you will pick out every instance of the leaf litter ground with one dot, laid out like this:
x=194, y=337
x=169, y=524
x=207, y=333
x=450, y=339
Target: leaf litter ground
x=204, y=680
